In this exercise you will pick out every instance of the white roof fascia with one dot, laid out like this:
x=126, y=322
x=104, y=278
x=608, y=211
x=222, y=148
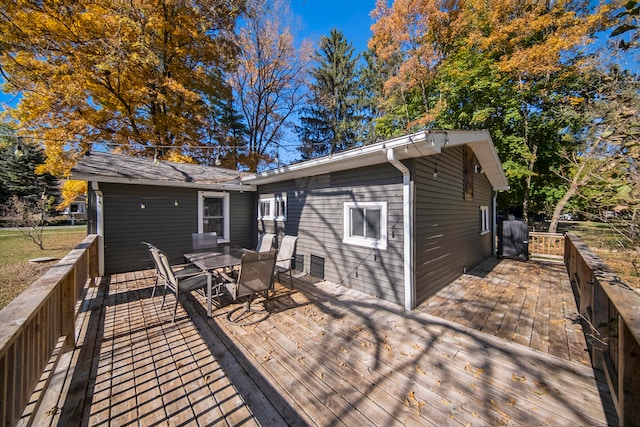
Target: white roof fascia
x=200, y=185
x=421, y=144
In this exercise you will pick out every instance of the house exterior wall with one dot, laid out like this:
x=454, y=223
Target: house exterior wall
x=448, y=235
x=169, y=216
x=315, y=215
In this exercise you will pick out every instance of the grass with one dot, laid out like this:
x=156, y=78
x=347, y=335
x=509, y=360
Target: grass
x=16, y=272
x=618, y=253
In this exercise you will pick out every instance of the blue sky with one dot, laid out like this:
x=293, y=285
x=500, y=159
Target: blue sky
x=350, y=16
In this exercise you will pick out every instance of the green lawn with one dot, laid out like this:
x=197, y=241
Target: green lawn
x=607, y=242
x=16, y=273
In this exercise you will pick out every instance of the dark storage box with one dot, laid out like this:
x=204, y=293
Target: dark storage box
x=513, y=239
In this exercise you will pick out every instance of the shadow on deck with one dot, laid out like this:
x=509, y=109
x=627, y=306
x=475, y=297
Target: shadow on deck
x=326, y=356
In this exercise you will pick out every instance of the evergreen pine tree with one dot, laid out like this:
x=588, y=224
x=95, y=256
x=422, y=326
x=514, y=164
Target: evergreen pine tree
x=331, y=121
x=371, y=76
x=18, y=161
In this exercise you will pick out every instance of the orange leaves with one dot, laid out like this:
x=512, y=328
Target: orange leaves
x=530, y=37
x=426, y=42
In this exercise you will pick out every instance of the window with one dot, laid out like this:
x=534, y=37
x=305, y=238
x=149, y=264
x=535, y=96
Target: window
x=213, y=214
x=272, y=208
x=365, y=224
x=264, y=209
x=484, y=220
x=280, y=208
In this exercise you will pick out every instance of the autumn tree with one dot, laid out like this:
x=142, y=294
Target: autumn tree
x=331, y=120
x=604, y=168
x=627, y=24
x=269, y=78
x=476, y=64
x=135, y=75
x=413, y=36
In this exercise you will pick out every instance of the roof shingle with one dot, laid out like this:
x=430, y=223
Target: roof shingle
x=100, y=166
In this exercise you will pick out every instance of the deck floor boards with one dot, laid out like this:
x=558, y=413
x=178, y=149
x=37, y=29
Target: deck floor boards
x=529, y=303
x=499, y=346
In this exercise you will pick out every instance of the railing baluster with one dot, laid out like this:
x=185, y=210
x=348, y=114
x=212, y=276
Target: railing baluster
x=546, y=245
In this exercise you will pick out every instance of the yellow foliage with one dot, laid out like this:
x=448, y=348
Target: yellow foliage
x=71, y=189
x=136, y=74
x=177, y=157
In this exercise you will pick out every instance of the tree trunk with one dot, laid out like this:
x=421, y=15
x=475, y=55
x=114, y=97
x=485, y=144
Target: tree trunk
x=578, y=180
x=553, y=226
x=527, y=188
x=532, y=162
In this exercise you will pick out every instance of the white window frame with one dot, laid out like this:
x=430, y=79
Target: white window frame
x=368, y=242
x=273, y=202
x=280, y=200
x=202, y=195
x=485, y=223
x=268, y=203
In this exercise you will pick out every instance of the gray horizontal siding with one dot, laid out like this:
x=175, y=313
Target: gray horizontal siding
x=447, y=227
x=242, y=225
x=315, y=215
x=161, y=222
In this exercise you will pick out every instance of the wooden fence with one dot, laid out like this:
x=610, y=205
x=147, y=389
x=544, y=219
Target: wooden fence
x=612, y=311
x=37, y=322
x=546, y=245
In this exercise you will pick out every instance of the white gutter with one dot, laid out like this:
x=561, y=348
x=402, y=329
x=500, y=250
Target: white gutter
x=409, y=288
x=99, y=226
x=415, y=145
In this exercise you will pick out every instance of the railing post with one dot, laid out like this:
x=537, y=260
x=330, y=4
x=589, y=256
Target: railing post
x=67, y=312
x=93, y=262
x=628, y=376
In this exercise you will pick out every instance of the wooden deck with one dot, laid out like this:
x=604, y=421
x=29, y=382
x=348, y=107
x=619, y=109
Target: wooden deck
x=325, y=356
x=529, y=303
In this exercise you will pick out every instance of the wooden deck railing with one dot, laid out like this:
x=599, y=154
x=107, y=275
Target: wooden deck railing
x=546, y=245
x=39, y=320
x=612, y=311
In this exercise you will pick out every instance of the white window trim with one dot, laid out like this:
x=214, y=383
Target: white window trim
x=260, y=202
x=272, y=208
x=226, y=238
x=380, y=243
x=485, y=226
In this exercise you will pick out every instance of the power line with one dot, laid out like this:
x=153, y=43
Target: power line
x=153, y=146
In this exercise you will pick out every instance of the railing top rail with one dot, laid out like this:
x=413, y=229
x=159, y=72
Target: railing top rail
x=545, y=234
x=22, y=308
x=625, y=299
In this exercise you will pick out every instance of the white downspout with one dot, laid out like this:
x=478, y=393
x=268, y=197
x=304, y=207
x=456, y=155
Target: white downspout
x=99, y=226
x=409, y=289
x=494, y=233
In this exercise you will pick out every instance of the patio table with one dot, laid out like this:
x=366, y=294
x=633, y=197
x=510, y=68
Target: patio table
x=211, y=261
